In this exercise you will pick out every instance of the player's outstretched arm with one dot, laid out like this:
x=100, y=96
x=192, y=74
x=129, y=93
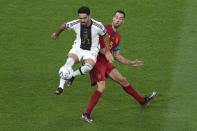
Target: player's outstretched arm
x=61, y=28
x=123, y=60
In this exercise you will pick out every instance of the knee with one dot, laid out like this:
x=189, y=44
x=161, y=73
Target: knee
x=86, y=68
x=101, y=86
x=101, y=89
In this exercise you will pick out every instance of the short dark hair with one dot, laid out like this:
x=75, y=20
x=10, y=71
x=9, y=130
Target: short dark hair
x=84, y=9
x=120, y=11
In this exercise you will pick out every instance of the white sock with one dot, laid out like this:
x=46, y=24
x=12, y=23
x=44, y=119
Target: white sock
x=76, y=73
x=62, y=82
x=83, y=69
x=70, y=61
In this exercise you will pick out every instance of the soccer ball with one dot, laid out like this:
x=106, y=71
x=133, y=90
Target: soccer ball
x=66, y=72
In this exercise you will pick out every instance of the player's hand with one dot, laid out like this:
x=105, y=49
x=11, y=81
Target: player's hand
x=54, y=36
x=109, y=56
x=136, y=63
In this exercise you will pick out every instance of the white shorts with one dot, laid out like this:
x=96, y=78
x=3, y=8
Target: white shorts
x=84, y=54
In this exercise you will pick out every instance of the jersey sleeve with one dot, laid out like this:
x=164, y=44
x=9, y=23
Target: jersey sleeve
x=102, y=30
x=72, y=24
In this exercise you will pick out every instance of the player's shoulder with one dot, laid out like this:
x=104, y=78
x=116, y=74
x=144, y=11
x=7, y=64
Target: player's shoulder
x=108, y=27
x=72, y=23
x=97, y=24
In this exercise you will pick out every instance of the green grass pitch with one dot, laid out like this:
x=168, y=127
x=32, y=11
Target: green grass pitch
x=161, y=33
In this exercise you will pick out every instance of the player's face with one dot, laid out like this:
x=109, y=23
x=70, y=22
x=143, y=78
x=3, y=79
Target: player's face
x=118, y=19
x=84, y=19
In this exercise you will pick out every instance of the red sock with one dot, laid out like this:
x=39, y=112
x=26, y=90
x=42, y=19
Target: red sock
x=131, y=91
x=93, y=101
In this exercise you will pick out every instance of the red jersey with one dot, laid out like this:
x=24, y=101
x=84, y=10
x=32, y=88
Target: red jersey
x=102, y=66
x=114, y=39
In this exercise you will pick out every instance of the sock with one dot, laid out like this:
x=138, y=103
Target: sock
x=131, y=91
x=70, y=61
x=83, y=69
x=76, y=73
x=93, y=101
x=62, y=82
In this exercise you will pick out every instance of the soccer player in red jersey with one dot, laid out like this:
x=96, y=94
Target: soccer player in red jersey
x=103, y=67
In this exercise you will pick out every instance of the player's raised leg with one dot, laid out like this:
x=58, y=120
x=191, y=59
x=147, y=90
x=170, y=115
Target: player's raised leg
x=71, y=60
x=86, y=67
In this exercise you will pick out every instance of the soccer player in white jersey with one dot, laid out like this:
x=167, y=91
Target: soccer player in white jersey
x=86, y=45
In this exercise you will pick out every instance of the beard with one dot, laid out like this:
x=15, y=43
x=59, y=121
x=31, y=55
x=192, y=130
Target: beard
x=116, y=26
x=83, y=23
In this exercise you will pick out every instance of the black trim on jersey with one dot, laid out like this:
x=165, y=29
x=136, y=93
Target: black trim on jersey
x=80, y=71
x=97, y=25
x=72, y=24
x=86, y=37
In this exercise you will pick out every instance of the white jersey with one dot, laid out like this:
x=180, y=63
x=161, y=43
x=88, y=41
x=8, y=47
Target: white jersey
x=87, y=38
